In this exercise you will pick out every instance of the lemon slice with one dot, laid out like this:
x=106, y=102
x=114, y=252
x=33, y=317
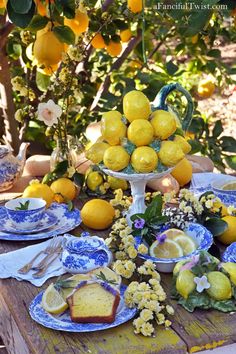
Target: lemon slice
x=186, y=243
x=52, y=301
x=172, y=233
x=168, y=249
x=229, y=186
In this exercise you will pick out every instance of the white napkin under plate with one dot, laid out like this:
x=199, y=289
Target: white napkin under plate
x=204, y=180
x=12, y=261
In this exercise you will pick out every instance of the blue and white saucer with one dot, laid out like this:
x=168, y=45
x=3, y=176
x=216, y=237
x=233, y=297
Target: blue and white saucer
x=46, y=222
x=67, y=221
x=63, y=321
x=229, y=254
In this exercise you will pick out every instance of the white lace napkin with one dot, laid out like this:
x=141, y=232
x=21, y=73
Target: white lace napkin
x=12, y=261
x=204, y=180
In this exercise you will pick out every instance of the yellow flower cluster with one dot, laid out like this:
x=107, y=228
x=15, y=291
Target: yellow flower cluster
x=121, y=200
x=149, y=196
x=189, y=198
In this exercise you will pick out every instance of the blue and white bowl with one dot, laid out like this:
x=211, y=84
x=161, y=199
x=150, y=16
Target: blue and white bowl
x=83, y=254
x=25, y=219
x=229, y=254
x=202, y=237
x=217, y=186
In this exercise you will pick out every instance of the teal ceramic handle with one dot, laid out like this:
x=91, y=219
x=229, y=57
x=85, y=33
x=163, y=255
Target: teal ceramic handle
x=160, y=102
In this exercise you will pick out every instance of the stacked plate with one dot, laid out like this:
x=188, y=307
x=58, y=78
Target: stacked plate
x=57, y=220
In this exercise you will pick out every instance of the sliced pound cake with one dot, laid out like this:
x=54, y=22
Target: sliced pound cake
x=94, y=302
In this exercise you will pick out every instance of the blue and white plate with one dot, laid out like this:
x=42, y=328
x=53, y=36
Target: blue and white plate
x=229, y=254
x=227, y=199
x=47, y=221
x=63, y=321
x=67, y=221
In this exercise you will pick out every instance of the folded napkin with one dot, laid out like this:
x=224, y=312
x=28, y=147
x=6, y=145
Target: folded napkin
x=204, y=180
x=12, y=261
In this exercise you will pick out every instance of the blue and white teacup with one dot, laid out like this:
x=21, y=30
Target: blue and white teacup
x=25, y=213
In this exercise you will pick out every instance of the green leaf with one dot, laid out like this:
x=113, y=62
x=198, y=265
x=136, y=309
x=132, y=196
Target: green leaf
x=137, y=216
x=22, y=6
x=218, y=129
x=215, y=53
x=78, y=179
x=67, y=7
x=224, y=306
x=58, y=172
x=231, y=161
x=197, y=20
x=20, y=20
x=42, y=81
x=154, y=209
x=64, y=34
x=14, y=50
x=216, y=226
x=156, y=145
x=228, y=143
x=171, y=68
x=196, y=146
x=38, y=22
x=128, y=146
x=195, y=300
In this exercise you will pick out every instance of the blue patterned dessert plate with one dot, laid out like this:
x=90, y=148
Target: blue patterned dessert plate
x=226, y=198
x=229, y=254
x=67, y=221
x=47, y=221
x=63, y=321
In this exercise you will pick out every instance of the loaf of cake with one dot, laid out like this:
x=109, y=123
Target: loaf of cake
x=94, y=302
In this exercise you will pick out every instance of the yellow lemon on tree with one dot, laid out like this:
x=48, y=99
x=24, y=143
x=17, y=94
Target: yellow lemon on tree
x=97, y=214
x=116, y=158
x=93, y=180
x=117, y=183
x=206, y=88
x=65, y=187
x=144, y=159
x=114, y=48
x=170, y=153
x=112, y=127
x=39, y=190
x=229, y=235
x=183, y=172
x=135, y=6
x=220, y=288
x=79, y=23
x=136, y=106
x=140, y=132
x=185, y=146
x=98, y=41
x=185, y=283
x=125, y=35
x=48, y=49
x=164, y=124
x=230, y=268
x=41, y=8
x=96, y=152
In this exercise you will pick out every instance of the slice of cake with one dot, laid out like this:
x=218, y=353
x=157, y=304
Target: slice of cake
x=94, y=302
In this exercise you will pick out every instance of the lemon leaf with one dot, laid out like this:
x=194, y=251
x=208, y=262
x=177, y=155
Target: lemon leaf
x=161, y=167
x=64, y=34
x=129, y=169
x=216, y=226
x=156, y=145
x=223, y=305
x=128, y=146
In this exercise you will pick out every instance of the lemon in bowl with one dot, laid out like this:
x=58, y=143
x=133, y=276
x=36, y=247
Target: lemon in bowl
x=144, y=159
x=116, y=158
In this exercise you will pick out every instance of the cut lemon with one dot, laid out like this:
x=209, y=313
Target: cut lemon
x=52, y=301
x=168, y=249
x=186, y=243
x=229, y=186
x=172, y=233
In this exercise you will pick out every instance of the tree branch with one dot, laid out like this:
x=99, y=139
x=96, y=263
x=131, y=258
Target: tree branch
x=4, y=32
x=116, y=65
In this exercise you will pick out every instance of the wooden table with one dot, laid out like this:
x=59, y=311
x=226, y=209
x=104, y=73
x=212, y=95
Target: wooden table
x=189, y=332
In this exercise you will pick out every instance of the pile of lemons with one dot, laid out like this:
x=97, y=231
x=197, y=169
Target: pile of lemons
x=140, y=138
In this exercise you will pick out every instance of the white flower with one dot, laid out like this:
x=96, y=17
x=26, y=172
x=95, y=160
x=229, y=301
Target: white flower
x=202, y=283
x=49, y=112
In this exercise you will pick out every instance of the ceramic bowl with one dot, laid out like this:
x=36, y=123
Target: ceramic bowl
x=202, y=237
x=25, y=219
x=83, y=254
x=229, y=254
x=217, y=186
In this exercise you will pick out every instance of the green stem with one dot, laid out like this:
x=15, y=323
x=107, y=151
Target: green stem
x=143, y=34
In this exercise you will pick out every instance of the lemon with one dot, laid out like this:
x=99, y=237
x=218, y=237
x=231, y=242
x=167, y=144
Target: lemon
x=52, y=301
x=219, y=205
x=114, y=48
x=65, y=187
x=230, y=268
x=186, y=243
x=229, y=186
x=170, y=153
x=135, y=6
x=125, y=35
x=97, y=214
x=185, y=146
x=98, y=41
x=136, y=106
x=185, y=283
x=140, y=132
x=183, y=172
x=229, y=235
x=116, y=158
x=94, y=180
x=117, y=183
x=220, y=288
x=96, y=152
x=168, y=249
x=179, y=265
x=112, y=127
x=39, y=190
x=144, y=159
x=164, y=124
x=79, y=23
x=172, y=233
x=206, y=88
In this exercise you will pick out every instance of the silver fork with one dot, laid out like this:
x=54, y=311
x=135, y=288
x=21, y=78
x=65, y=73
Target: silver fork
x=41, y=272
x=41, y=264
x=48, y=250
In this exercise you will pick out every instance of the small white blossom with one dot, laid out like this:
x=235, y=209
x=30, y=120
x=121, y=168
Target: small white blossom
x=49, y=112
x=202, y=283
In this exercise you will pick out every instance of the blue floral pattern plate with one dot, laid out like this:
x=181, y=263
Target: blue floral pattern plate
x=67, y=221
x=229, y=254
x=63, y=321
x=47, y=221
x=227, y=199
